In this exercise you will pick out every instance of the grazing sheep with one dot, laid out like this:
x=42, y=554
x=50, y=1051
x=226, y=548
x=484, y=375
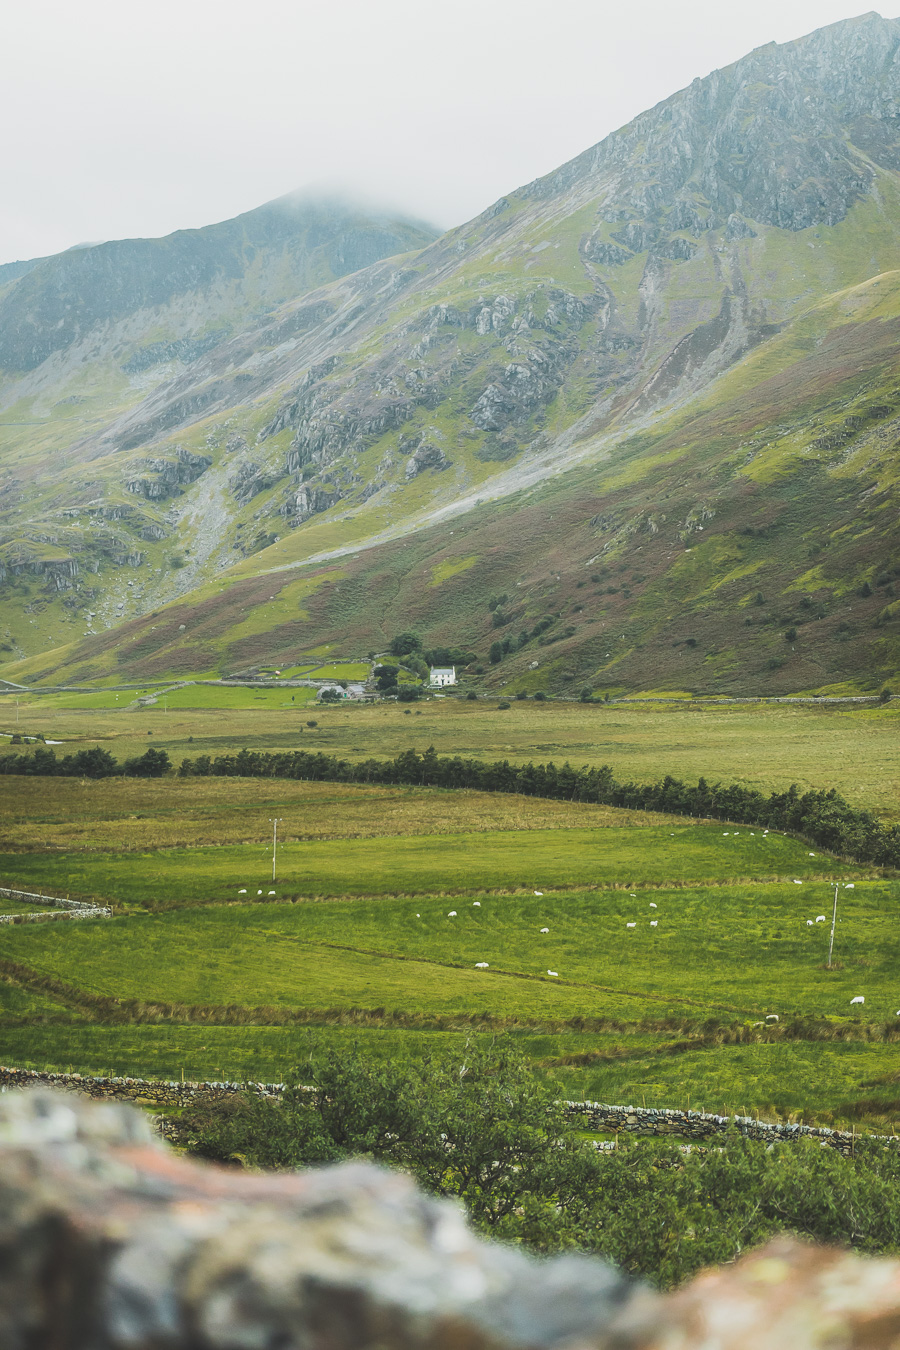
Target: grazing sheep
x=654, y=922
x=848, y=886
x=259, y=892
x=452, y=914
x=243, y=892
x=476, y=904
x=859, y=999
x=554, y=973
x=812, y=855
x=418, y=916
x=797, y=883
x=771, y=1017
x=629, y=925
x=653, y=904
x=545, y=930
x=482, y=965
x=271, y=892
x=820, y=918
x=539, y=892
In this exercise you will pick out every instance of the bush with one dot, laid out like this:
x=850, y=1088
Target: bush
x=586, y=694
x=405, y=643
x=790, y=635
x=521, y=695
x=151, y=764
x=408, y=693
x=471, y=696
x=885, y=696
x=504, y=703
x=313, y=723
x=540, y=697
x=478, y=1124
x=496, y=653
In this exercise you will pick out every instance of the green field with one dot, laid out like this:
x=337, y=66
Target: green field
x=853, y=748
x=554, y=859
x=358, y=942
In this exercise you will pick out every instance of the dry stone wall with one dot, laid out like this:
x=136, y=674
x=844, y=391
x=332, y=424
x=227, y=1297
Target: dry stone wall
x=60, y=909
x=698, y=1126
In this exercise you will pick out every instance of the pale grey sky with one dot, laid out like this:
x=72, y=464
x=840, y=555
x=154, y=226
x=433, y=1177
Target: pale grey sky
x=125, y=117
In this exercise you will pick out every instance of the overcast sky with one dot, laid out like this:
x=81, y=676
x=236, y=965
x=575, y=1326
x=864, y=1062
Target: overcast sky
x=125, y=117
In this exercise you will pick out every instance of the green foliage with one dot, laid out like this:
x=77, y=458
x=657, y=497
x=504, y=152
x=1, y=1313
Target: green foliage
x=478, y=1124
x=496, y=653
x=405, y=643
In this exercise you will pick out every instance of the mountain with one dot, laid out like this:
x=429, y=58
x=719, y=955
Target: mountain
x=638, y=420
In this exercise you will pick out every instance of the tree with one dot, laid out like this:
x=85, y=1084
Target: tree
x=330, y=696
x=151, y=764
x=586, y=694
x=405, y=643
x=476, y=1123
x=496, y=653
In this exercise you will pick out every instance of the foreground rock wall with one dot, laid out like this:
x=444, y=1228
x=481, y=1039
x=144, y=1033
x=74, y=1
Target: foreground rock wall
x=109, y=1241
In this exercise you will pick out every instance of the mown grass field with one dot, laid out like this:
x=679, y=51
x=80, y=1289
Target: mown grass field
x=853, y=748
x=358, y=941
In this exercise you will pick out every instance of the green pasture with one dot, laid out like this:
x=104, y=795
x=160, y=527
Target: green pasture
x=551, y=859
x=852, y=748
x=237, y=697
x=746, y=951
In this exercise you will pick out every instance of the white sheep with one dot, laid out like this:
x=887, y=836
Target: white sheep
x=797, y=883
x=809, y=923
x=539, y=892
x=630, y=925
x=654, y=905
x=859, y=999
x=545, y=930
x=654, y=922
x=271, y=892
x=452, y=914
x=771, y=1017
x=243, y=892
x=554, y=973
x=812, y=855
x=259, y=892
x=848, y=886
x=482, y=965
x=418, y=916
x=820, y=918
x=476, y=904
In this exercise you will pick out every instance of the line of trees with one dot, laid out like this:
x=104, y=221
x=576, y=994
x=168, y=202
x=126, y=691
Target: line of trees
x=825, y=818
x=95, y=763
x=822, y=817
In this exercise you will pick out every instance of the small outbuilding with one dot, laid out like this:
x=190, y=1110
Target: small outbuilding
x=442, y=676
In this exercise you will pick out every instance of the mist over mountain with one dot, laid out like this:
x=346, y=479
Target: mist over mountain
x=652, y=400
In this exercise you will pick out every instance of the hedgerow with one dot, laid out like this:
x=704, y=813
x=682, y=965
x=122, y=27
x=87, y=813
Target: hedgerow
x=823, y=817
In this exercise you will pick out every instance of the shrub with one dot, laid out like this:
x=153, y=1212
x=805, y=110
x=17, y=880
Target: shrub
x=471, y=696
x=790, y=635
x=540, y=696
x=313, y=723
x=408, y=693
x=504, y=703
x=886, y=695
x=586, y=694
x=496, y=653
x=521, y=695
x=405, y=643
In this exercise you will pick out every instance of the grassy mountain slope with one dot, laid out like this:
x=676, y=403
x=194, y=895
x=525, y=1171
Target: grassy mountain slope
x=651, y=398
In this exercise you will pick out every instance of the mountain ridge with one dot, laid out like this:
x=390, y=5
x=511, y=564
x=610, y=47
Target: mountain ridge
x=577, y=322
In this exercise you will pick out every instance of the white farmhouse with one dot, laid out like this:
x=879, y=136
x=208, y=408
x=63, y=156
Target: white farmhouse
x=442, y=675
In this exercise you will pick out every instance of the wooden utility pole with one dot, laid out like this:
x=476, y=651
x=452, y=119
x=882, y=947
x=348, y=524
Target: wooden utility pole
x=833, y=922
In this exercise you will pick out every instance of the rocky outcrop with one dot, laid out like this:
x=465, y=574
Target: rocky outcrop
x=426, y=456
x=309, y=501
x=170, y=475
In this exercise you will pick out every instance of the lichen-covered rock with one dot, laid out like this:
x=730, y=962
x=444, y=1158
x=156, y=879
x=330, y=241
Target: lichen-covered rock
x=108, y=1241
